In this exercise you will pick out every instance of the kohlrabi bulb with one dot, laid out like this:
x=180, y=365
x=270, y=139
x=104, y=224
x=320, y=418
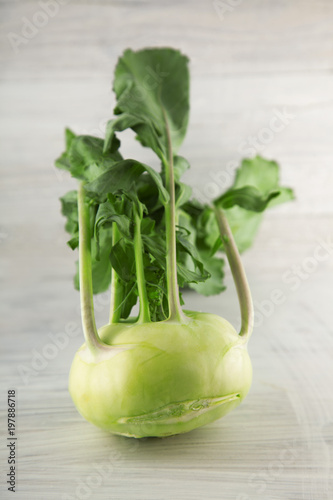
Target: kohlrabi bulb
x=161, y=379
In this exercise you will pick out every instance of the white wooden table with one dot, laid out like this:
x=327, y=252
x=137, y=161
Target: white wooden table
x=248, y=62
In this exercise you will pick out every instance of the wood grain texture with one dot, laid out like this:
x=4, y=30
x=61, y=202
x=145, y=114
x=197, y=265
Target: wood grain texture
x=258, y=59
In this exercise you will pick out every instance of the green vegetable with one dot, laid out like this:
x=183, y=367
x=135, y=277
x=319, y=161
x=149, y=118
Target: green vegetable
x=168, y=370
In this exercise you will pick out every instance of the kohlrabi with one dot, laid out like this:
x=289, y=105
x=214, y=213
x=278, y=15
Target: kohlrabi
x=168, y=370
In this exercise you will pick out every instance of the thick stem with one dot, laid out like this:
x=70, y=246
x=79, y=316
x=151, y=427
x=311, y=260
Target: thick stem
x=144, y=315
x=175, y=310
x=116, y=285
x=85, y=272
x=238, y=272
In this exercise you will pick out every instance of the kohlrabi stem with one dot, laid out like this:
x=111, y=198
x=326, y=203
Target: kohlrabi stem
x=144, y=314
x=175, y=310
x=116, y=285
x=238, y=272
x=85, y=272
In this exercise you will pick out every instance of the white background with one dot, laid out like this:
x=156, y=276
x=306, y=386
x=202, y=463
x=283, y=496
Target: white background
x=249, y=60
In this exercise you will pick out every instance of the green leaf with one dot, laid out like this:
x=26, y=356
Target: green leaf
x=258, y=172
x=213, y=266
x=217, y=245
x=121, y=177
x=185, y=245
x=244, y=225
x=107, y=214
x=147, y=226
x=148, y=193
x=285, y=194
x=183, y=194
x=101, y=266
x=122, y=122
x=100, y=250
x=146, y=82
x=130, y=299
x=186, y=276
x=157, y=293
x=69, y=137
x=123, y=261
x=214, y=284
x=154, y=246
x=73, y=243
x=180, y=165
x=87, y=158
x=63, y=161
x=247, y=197
x=262, y=175
x=70, y=211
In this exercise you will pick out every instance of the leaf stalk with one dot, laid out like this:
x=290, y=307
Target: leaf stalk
x=238, y=273
x=116, y=285
x=144, y=314
x=85, y=273
x=175, y=310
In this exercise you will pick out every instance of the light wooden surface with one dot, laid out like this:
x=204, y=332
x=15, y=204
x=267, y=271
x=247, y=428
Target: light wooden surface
x=259, y=58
